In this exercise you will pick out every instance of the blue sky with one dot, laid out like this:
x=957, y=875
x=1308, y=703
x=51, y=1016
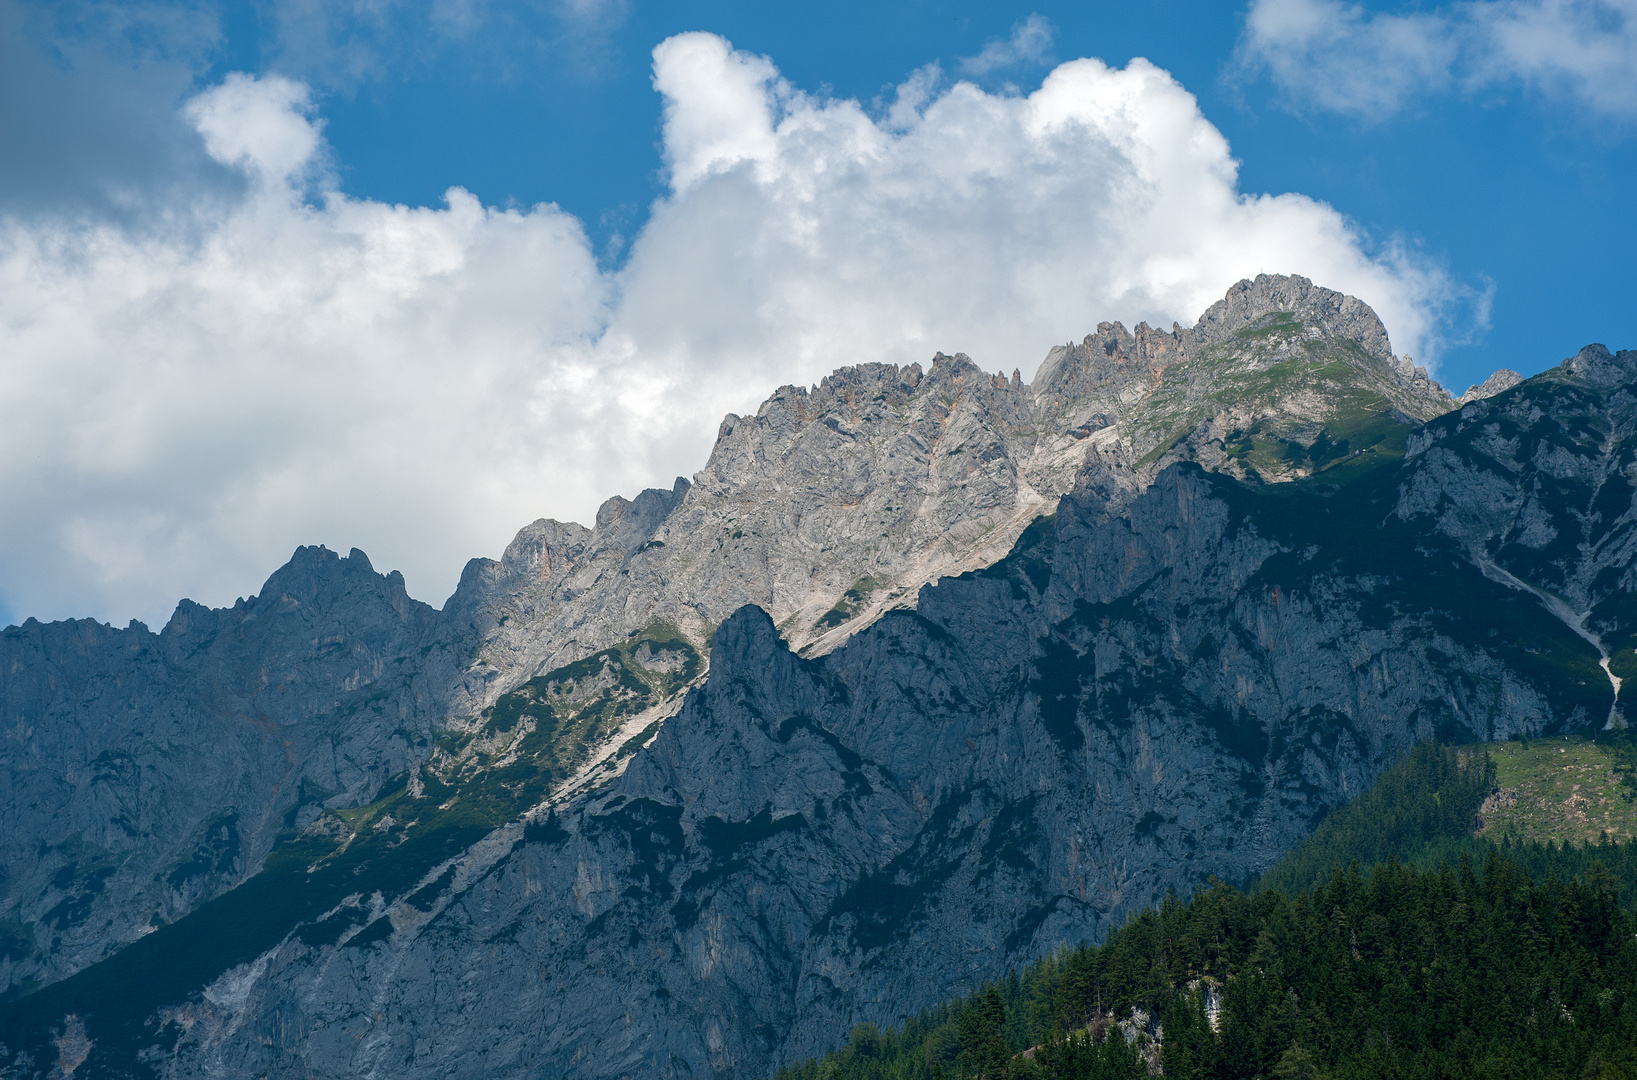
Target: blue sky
x=1466, y=167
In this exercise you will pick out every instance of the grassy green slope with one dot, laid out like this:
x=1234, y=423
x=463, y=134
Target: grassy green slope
x=1564, y=789
x=1296, y=404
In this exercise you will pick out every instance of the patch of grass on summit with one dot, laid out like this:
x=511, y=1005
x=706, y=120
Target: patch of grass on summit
x=1271, y=324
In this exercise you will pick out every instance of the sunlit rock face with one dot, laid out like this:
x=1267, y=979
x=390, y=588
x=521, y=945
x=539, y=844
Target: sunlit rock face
x=926, y=672
x=835, y=503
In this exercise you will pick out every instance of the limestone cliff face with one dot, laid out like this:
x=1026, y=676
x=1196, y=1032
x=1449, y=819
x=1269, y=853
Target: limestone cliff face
x=826, y=507
x=1536, y=483
x=832, y=505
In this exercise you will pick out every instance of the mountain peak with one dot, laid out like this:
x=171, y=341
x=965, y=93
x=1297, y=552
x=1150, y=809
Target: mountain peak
x=1498, y=383
x=1594, y=364
x=1273, y=370
x=1333, y=314
x=834, y=502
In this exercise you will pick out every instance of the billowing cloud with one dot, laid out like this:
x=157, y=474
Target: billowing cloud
x=186, y=403
x=1338, y=56
x=812, y=235
x=260, y=126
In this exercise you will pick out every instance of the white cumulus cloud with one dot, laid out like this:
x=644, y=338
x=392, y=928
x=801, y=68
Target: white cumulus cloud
x=1340, y=56
x=258, y=125
x=185, y=403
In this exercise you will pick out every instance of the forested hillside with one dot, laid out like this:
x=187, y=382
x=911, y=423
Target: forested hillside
x=1451, y=957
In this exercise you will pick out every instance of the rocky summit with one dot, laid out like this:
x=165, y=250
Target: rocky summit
x=927, y=672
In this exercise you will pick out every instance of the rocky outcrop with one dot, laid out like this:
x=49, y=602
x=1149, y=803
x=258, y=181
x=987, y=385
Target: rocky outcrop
x=834, y=504
x=828, y=505
x=1147, y=388
x=1500, y=382
x=1538, y=485
x=827, y=508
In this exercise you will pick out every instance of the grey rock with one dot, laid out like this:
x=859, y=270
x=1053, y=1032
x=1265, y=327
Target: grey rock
x=1498, y=383
x=829, y=507
x=833, y=505
x=877, y=481
x=919, y=766
x=1278, y=359
x=1596, y=366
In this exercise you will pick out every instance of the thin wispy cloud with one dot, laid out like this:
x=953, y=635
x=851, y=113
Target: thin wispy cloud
x=1029, y=44
x=1331, y=55
x=592, y=14
x=186, y=402
x=343, y=44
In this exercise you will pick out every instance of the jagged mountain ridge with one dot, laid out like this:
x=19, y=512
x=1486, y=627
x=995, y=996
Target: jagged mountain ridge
x=827, y=508
x=1114, y=372
x=559, y=594
x=832, y=505
x=146, y=772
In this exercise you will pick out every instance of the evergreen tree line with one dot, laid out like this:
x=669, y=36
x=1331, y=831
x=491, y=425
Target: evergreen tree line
x=1453, y=957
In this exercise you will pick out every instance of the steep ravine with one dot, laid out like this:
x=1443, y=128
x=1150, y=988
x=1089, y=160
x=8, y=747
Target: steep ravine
x=1575, y=621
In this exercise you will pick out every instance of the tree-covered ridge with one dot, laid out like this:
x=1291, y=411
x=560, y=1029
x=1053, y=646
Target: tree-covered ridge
x=1426, y=810
x=1453, y=957
x=1458, y=971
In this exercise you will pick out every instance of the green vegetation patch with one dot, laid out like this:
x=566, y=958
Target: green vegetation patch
x=1467, y=970
x=1453, y=957
x=1273, y=324
x=1564, y=789
x=1439, y=804
x=1433, y=793
x=1336, y=382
